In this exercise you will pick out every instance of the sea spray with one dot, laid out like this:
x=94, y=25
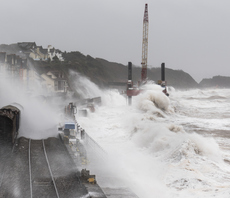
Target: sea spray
x=39, y=118
x=83, y=86
x=156, y=156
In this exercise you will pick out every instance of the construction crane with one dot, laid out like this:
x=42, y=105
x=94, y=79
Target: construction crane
x=145, y=45
x=131, y=90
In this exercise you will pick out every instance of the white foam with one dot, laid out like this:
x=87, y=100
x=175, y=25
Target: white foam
x=150, y=149
x=38, y=119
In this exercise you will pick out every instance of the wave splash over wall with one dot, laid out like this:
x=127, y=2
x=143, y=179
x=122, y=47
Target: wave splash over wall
x=150, y=149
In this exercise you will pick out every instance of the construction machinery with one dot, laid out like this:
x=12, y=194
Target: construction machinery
x=145, y=45
x=133, y=91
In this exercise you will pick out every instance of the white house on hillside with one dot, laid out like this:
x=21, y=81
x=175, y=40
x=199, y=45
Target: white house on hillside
x=52, y=52
x=39, y=53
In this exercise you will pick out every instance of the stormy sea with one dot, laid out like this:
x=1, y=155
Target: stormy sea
x=176, y=146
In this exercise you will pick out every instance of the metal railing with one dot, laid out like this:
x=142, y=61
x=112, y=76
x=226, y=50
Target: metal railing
x=94, y=150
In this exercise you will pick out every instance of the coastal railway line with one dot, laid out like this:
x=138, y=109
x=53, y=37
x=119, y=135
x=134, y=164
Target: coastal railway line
x=15, y=180
x=42, y=182
x=39, y=168
x=5, y=151
x=54, y=167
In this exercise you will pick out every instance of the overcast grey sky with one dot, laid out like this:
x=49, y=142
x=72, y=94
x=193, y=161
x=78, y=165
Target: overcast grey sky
x=191, y=35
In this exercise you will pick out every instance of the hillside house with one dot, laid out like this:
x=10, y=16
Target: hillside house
x=38, y=53
x=52, y=52
x=10, y=59
x=2, y=57
x=55, y=81
x=27, y=45
x=3, y=65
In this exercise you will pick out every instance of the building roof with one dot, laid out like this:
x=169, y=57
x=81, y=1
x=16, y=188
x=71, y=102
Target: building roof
x=27, y=45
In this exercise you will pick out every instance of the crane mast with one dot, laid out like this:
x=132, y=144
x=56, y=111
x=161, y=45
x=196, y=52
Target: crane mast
x=132, y=90
x=145, y=45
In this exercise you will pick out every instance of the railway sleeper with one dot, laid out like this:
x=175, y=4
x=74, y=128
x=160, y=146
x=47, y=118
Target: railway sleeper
x=43, y=182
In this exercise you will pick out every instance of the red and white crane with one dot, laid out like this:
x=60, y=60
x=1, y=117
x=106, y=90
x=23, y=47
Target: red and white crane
x=145, y=45
x=133, y=91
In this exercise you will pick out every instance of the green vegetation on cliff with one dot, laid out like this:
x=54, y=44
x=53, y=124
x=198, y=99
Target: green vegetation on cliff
x=101, y=71
x=216, y=81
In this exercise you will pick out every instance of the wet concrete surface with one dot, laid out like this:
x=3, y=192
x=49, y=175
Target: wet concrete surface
x=119, y=192
x=15, y=181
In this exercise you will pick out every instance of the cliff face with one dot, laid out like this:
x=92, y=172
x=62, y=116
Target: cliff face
x=176, y=78
x=216, y=81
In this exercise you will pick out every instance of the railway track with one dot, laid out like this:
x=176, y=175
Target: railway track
x=4, y=154
x=42, y=181
x=39, y=168
x=10, y=171
x=52, y=172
